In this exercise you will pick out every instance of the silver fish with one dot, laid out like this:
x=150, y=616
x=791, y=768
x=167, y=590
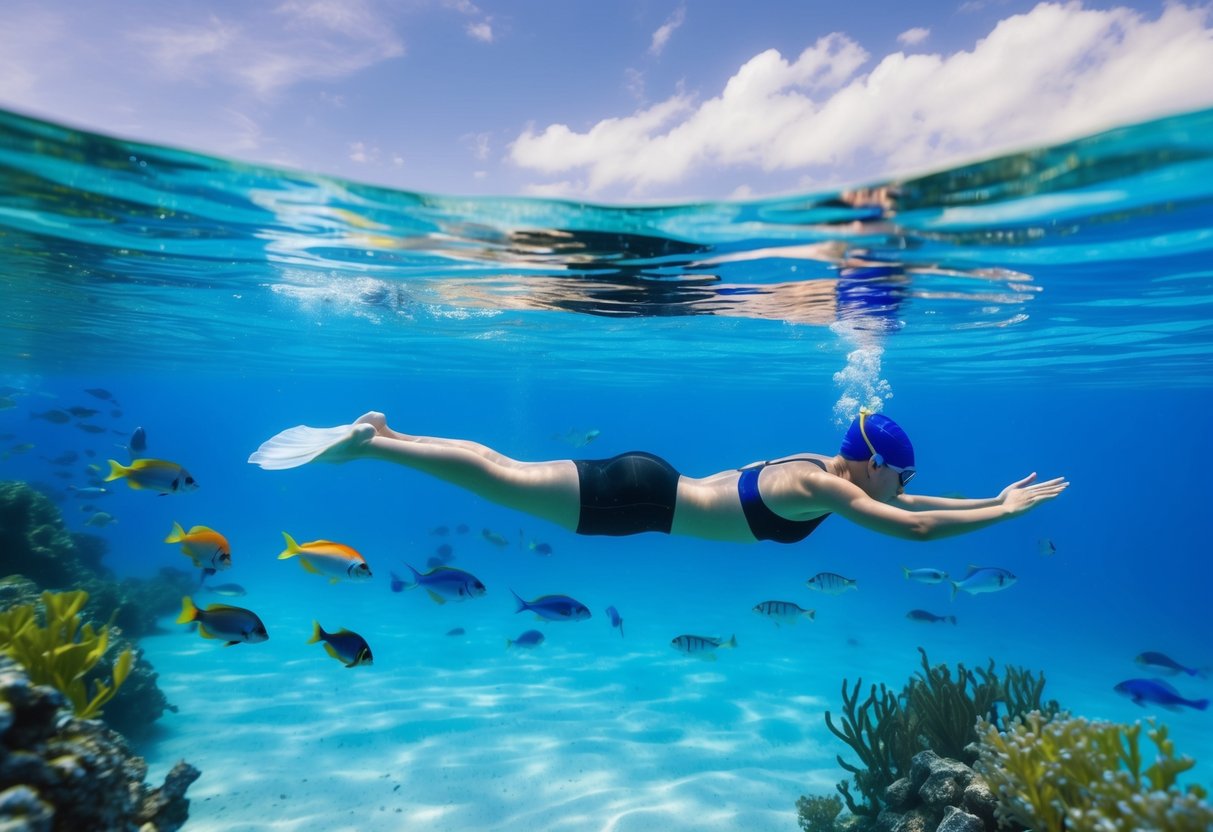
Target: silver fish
x=925, y=575
x=984, y=579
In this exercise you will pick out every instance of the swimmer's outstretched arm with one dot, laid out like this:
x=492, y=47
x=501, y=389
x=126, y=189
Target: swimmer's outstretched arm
x=926, y=502
x=851, y=502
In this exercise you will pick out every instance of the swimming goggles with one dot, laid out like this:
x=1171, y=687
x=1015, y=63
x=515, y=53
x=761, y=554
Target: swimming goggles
x=904, y=475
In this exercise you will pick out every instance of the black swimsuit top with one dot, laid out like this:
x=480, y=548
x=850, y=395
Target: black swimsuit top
x=764, y=523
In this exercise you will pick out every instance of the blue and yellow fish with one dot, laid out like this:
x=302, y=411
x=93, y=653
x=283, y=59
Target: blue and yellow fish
x=345, y=646
x=232, y=624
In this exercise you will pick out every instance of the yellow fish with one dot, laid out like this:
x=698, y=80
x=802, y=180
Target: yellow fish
x=324, y=557
x=208, y=549
x=154, y=475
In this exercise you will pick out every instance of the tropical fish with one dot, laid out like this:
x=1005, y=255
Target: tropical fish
x=541, y=549
x=82, y=412
x=930, y=617
x=783, y=611
x=462, y=528
x=65, y=458
x=87, y=428
x=494, y=538
x=456, y=631
x=1046, y=547
x=230, y=590
x=137, y=444
x=445, y=552
x=554, y=607
x=204, y=546
x=983, y=579
x=831, y=583
x=22, y=447
x=100, y=392
x=441, y=583
x=1157, y=692
x=153, y=475
x=531, y=638
x=324, y=557
x=579, y=438
x=88, y=491
x=1161, y=661
x=345, y=646
x=616, y=619
x=101, y=519
x=440, y=531
x=702, y=647
x=925, y=575
x=55, y=417
x=232, y=624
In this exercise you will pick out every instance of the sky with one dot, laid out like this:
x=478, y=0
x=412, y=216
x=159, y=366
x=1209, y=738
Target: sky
x=619, y=101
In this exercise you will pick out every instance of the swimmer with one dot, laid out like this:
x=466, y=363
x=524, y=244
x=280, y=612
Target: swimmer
x=783, y=499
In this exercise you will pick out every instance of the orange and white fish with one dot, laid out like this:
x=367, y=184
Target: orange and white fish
x=208, y=549
x=154, y=475
x=324, y=557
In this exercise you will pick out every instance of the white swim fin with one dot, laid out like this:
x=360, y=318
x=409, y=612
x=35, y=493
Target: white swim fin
x=298, y=446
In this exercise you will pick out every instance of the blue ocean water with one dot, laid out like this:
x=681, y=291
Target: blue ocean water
x=1049, y=311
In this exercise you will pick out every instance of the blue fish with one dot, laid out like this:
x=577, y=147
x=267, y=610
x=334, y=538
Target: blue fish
x=983, y=579
x=531, y=638
x=441, y=583
x=929, y=617
x=554, y=607
x=232, y=624
x=345, y=646
x=616, y=619
x=1161, y=661
x=1157, y=692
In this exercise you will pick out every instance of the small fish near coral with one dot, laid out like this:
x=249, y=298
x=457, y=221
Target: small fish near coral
x=208, y=549
x=981, y=579
x=930, y=617
x=235, y=625
x=831, y=583
x=784, y=612
x=153, y=475
x=325, y=557
x=1157, y=692
x=345, y=646
x=701, y=647
x=554, y=607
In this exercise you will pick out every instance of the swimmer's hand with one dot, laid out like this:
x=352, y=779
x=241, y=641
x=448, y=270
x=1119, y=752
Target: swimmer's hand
x=1026, y=494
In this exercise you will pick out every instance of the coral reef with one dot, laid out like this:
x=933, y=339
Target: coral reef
x=818, y=814
x=1080, y=775
x=61, y=651
x=61, y=772
x=35, y=544
x=938, y=710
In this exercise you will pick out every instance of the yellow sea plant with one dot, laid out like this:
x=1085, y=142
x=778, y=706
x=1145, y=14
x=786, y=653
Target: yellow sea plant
x=1079, y=775
x=61, y=652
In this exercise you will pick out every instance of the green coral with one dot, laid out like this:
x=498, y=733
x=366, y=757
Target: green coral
x=938, y=710
x=1078, y=775
x=819, y=813
x=61, y=652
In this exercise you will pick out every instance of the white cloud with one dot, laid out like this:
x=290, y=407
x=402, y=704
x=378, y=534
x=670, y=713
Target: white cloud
x=634, y=82
x=478, y=143
x=482, y=31
x=360, y=154
x=297, y=41
x=662, y=35
x=1055, y=72
x=913, y=37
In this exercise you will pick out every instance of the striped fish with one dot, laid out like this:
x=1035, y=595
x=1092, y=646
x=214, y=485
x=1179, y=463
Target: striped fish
x=831, y=583
x=784, y=612
x=701, y=647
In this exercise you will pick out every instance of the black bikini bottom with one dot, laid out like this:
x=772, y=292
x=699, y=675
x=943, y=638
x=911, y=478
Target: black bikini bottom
x=626, y=494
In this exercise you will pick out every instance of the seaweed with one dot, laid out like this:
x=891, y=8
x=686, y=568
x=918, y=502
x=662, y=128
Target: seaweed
x=61, y=652
x=1079, y=775
x=818, y=813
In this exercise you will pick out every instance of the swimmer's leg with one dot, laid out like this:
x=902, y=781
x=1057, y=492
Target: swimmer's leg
x=548, y=490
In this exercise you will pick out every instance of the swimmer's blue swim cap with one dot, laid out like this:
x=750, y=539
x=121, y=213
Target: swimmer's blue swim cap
x=886, y=436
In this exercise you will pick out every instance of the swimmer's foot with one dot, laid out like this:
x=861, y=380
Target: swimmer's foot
x=378, y=421
x=301, y=444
